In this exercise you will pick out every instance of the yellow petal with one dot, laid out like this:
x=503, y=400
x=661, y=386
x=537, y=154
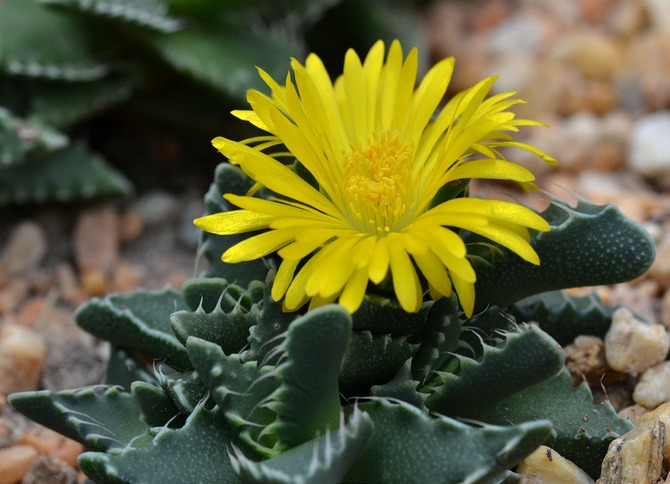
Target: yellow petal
x=233, y=222
x=283, y=278
x=354, y=291
x=379, y=264
x=405, y=281
x=434, y=272
x=492, y=169
x=259, y=245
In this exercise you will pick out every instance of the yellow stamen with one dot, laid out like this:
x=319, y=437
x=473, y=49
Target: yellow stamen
x=378, y=183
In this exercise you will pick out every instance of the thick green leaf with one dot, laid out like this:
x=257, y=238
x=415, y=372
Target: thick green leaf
x=139, y=321
x=268, y=334
x=197, y=452
x=124, y=368
x=146, y=13
x=409, y=446
x=185, y=388
x=62, y=104
x=64, y=175
x=228, y=330
x=438, y=340
x=372, y=360
x=307, y=402
x=240, y=390
x=101, y=418
x=565, y=317
x=225, y=57
x=21, y=140
x=156, y=407
x=39, y=42
x=212, y=292
x=523, y=359
x=587, y=245
x=323, y=460
x=403, y=387
x=381, y=315
x=582, y=429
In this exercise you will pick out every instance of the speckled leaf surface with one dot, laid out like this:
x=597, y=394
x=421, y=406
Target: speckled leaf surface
x=197, y=452
x=583, y=430
x=101, y=418
x=139, y=321
x=587, y=245
x=409, y=446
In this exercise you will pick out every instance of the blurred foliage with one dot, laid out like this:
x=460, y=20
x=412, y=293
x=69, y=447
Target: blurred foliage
x=95, y=93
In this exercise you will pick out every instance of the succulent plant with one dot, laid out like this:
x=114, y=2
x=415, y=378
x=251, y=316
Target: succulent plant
x=88, y=89
x=242, y=391
x=405, y=380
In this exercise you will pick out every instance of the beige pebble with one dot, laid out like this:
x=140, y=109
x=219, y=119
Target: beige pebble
x=13, y=294
x=22, y=357
x=15, y=462
x=585, y=359
x=50, y=470
x=633, y=413
x=546, y=466
x=632, y=346
x=653, y=388
x=636, y=456
x=94, y=282
x=96, y=240
x=50, y=443
x=25, y=249
x=594, y=55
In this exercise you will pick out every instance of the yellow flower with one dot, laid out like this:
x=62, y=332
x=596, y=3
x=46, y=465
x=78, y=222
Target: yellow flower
x=380, y=156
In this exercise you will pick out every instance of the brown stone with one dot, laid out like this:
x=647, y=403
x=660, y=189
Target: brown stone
x=25, y=249
x=50, y=443
x=96, y=240
x=22, y=357
x=50, y=470
x=632, y=346
x=15, y=462
x=546, y=466
x=585, y=359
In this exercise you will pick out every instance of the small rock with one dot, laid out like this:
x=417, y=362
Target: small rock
x=50, y=469
x=546, y=466
x=638, y=456
x=96, y=240
x=131, y=226
x=52, y=444
x=593, y=54
x=659, y=13
x=633, y=413
x=68, y=285
x=94, y=282
x=125, y=278
x=74, y=359
x=653, y=388
x=22, y=357
x=13, y=294
x=632, y=346
x=25, y=249
x=585, y=359
x=649, y=151
x=157, y=207
x=660, y=269
x=15, y=462
x=31, y=310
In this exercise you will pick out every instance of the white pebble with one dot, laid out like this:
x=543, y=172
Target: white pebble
x=632, y=346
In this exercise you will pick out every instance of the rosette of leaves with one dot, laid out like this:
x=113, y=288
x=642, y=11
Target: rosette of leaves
x=239, y=391
x=96, y=93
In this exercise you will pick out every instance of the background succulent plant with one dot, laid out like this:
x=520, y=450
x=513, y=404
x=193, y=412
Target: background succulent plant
x=240, y=391
x=96, y=96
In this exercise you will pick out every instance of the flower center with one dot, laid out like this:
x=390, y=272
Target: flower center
x=378, y=183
